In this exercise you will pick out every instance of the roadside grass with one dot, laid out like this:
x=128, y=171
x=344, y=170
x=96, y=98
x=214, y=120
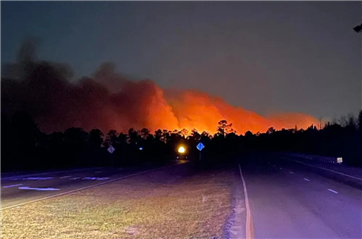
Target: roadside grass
x=146, y=206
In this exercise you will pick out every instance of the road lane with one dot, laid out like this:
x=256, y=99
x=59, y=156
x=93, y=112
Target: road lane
x=300, y=205
x=13, y=195
x=19, y=175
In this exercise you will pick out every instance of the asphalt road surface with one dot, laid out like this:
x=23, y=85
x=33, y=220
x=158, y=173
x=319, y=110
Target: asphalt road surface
x=18, y=189
x=288, y=200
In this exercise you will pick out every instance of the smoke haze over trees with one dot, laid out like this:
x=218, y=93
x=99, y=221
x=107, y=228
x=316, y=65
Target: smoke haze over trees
x=108, y=100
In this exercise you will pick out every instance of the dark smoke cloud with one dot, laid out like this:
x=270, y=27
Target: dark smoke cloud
x=109, y=100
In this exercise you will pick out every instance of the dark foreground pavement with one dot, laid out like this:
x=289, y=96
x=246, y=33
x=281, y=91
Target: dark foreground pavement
x=288, y=200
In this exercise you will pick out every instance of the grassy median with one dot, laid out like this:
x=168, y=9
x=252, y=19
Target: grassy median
x=161, y=204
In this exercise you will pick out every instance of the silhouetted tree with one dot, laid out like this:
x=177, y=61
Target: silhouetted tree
x=24, y=130
x=7, y=144
x=195, y=136
x=96, y=137
x=122, y=138
x=358, y=28
x=26, y=147
x=271, y=130
x=248, y=134
x=110, y=138
x=158, y=135
x=352, y=122
x=144, y=133
x=224, y=128
x=166, y=135
x=184, y=133
x=132, y=136
x=360, y=122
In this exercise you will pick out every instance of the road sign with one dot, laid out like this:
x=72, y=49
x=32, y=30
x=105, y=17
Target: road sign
x=200, y=146
x=111, y=149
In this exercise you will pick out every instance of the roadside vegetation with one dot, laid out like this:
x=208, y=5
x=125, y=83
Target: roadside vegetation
x=25, y=147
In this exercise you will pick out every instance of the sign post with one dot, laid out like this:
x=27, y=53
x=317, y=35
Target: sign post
x=111, y=150
x=200, y=146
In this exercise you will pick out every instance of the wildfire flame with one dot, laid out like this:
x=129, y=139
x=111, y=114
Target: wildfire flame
x=109, y=100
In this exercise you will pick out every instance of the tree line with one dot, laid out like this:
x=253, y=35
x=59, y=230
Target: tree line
x=25, y=147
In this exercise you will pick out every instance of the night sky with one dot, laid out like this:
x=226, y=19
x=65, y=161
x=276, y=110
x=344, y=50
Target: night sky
x=267, y=57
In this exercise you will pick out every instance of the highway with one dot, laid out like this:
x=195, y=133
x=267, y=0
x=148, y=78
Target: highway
x=287, y=200
x=18, y=189
x=280, y=198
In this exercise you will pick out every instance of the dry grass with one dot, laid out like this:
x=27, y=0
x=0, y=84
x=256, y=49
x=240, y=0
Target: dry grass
x=139, y=207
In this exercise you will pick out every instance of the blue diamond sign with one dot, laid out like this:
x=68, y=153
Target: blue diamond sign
x=111, y=149
x=200, y=146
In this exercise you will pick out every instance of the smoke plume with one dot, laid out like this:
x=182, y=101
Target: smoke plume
x=108, y=100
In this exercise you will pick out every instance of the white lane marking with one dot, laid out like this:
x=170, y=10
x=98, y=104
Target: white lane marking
x=248, y=212
x=326, y=169
x=38, y=189
x=89, y=178
x=14, y=185
x=83, y=188
x=291, y=172
x=306, y=179
x=104, y=178
x=95, y=178
x=65, y=177
x=280, y=168
x=75, y=178
x=332, y=191
x=33, y=174
x=38, y=178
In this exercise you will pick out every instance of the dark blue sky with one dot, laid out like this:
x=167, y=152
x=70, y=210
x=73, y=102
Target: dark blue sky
x=263, y=56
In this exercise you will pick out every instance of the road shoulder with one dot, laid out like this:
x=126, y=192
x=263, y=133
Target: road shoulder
x=235, y=225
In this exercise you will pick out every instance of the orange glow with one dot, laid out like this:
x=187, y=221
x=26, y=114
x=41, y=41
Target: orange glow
x=143, y=104
x=198, y=110
x=110, y=101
